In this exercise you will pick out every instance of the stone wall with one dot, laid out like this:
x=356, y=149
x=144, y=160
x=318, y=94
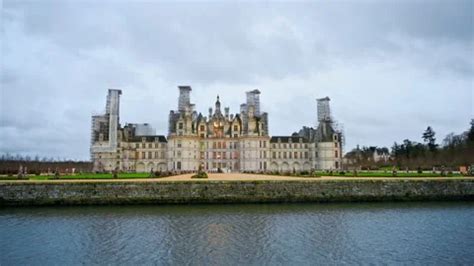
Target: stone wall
x=203, y=191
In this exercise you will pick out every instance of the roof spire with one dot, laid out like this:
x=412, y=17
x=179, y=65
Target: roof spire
x=218, y=105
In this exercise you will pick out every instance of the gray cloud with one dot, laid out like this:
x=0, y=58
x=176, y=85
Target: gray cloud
x=391, y=67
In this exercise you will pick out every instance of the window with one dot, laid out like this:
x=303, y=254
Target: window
x=156, y=154
x=202, y=135
x=150, y=155
x=202, y=128
x=336, y=154
x=150, y=146
x=335, y=144
x=179, y=144
x=284, y=155
x=296, y=155
x=306, y=155
x=274, y=155
x=236, y=135
x=178, y=165
x=236, y=128
x=143, y=155
x=180, y=126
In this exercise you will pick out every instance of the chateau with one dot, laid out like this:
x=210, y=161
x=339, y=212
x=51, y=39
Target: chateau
x=219, y=141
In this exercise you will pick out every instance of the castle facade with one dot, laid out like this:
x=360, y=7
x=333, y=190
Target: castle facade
x=219, y=141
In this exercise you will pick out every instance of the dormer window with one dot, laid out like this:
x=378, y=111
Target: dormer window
x=180, y=126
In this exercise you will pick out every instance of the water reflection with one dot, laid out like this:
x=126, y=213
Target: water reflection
x=381, y=233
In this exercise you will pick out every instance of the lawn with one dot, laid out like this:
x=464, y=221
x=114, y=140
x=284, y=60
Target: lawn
x=386, y=174
x=83, y=176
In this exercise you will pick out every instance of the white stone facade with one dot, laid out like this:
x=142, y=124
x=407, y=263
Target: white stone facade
x=217, y=142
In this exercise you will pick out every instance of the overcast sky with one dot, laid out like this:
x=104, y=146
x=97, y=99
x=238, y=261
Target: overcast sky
x=391, y=68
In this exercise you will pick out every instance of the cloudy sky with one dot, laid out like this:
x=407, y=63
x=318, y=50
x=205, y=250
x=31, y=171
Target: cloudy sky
x=391, y=68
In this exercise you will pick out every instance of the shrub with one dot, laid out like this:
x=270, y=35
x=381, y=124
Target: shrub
x=200, y=174
x=342, y=173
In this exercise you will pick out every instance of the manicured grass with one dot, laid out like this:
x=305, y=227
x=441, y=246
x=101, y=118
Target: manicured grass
x=386, y=174
x=83, y=176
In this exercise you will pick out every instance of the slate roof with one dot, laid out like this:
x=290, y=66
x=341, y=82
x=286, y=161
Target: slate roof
x=286, y=139
x=161, y=138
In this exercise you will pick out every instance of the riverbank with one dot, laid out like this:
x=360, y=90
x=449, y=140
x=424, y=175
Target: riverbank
x=238, y=188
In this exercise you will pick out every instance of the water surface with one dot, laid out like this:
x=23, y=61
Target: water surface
x=261, y=234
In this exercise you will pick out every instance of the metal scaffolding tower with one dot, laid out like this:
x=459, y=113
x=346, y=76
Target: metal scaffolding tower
x=324, y=112
x=184, y=101
x=253, y=99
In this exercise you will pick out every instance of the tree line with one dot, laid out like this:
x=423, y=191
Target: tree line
x=11, y=164
x=455, y=150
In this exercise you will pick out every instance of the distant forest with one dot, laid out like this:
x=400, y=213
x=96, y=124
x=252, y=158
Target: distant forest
x=455, y=150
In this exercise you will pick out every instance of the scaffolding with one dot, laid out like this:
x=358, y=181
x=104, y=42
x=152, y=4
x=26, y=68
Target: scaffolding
x=253, y=99
x=324, y=112
x=184, y=100
x=105, y=127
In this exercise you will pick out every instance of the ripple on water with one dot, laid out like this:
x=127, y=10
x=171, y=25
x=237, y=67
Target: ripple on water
x=379, y=233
